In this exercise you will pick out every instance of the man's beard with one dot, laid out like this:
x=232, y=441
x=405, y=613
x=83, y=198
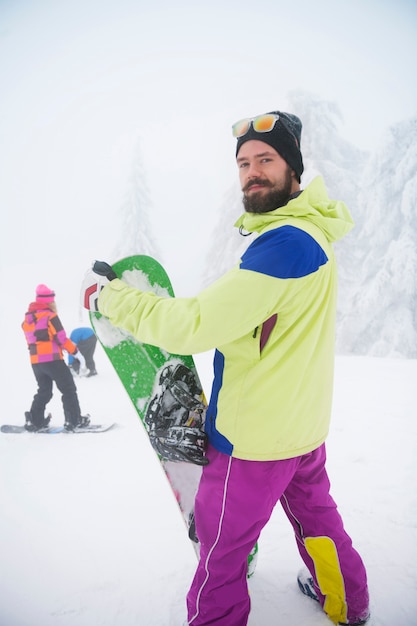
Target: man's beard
x=265, y=202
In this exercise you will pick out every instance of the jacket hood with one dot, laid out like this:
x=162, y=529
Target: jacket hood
x=313, y=205
x=39, y=306
x=36, y=307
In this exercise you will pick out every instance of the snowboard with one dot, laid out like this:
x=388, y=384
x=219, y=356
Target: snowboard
x=54, y=430
x=164, y=388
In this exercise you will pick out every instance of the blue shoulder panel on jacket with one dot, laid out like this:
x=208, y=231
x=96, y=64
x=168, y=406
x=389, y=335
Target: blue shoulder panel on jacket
x=285, y=252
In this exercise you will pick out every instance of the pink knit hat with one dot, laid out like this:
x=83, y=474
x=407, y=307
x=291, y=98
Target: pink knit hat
x=44, y=294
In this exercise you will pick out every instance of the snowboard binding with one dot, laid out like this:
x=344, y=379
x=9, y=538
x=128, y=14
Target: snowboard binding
x=175, y=416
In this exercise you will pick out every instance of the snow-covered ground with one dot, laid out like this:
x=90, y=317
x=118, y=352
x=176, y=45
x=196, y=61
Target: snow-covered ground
x=90, y=534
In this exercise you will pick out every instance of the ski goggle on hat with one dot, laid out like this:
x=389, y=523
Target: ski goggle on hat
x=260, y=124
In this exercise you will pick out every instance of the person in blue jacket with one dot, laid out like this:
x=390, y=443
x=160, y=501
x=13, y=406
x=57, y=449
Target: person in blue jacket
x=85, y=340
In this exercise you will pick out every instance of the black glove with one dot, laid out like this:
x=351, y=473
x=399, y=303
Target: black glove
x=104, y=269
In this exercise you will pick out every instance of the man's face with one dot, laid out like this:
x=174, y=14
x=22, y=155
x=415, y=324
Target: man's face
x=266, y=179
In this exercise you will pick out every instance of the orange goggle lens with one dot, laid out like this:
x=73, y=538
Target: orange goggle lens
x=261, y=124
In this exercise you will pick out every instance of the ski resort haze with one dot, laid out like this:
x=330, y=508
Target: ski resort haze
x=115, y=139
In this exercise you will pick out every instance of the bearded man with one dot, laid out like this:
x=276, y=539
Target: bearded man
x=272, y=322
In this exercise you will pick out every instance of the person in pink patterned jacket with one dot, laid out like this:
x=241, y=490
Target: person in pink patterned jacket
x=47, y=339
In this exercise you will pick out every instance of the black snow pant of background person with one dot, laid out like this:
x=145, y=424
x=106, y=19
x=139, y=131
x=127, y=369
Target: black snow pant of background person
x=87, y=348
x=46, y=374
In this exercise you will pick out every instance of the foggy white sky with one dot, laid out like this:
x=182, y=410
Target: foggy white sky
x=83, y=81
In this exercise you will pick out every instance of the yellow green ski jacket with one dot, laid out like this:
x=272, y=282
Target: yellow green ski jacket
x=272, y=322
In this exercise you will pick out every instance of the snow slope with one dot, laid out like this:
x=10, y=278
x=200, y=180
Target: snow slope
x=90, y=534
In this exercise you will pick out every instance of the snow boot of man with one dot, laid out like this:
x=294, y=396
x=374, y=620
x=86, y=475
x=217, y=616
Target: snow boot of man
x=306, y=585
x=33, y=425
x=82, y=422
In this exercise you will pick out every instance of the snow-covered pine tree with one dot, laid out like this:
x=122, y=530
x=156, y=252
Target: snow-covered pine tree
x=381, y=319
x=136, y=235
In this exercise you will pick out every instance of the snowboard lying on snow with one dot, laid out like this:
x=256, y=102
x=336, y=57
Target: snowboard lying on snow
x=54, y=430
x=165, y=391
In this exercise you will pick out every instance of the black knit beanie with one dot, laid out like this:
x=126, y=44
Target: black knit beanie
x=285, y=138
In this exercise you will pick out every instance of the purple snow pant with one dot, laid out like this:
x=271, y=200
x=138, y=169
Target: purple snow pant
x=235, y=500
